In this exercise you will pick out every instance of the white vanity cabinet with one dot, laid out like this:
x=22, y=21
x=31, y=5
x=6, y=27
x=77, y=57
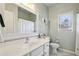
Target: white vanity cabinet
x=37, y=52
x=40, y=51
x=39, y=47
x=46, y=49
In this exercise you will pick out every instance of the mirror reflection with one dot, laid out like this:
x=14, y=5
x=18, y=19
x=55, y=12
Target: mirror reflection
x=26, y=21
x=18, y=22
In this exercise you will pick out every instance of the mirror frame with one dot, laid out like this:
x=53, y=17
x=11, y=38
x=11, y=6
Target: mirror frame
x=21, y=5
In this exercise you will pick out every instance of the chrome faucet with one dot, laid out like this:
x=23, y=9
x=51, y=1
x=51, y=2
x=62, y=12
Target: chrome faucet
x=39, y=36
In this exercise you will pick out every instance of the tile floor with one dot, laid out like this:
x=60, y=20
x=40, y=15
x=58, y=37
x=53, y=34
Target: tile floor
x=61, y=53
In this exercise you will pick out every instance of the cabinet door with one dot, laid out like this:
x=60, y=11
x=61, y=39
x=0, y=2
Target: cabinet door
x=46, y=49
x=37, y=52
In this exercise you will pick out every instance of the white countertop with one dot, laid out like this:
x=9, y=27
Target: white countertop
x=19, y=47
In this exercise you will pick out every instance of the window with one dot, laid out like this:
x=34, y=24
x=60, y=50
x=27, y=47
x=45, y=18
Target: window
x=65, y=21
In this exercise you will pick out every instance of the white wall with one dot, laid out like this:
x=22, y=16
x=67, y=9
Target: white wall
x=13, y=8
x=1, y=12
x=66, y=38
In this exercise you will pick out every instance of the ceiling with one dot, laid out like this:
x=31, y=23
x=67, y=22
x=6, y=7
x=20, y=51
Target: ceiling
x=49, y=4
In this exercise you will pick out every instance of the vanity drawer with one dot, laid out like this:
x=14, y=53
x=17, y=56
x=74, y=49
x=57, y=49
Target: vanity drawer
x=37, y=52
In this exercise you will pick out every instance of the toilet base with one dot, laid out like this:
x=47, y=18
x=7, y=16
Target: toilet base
x=54, y=51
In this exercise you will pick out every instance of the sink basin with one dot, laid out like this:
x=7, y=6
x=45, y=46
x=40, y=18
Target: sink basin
x=33, y=42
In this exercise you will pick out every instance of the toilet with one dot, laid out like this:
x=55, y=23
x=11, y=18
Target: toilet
x=54, y=46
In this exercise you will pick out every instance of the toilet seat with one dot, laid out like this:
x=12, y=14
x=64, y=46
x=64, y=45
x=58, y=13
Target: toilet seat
x=55, y=45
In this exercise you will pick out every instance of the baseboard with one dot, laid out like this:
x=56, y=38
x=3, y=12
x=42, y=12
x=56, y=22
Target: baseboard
x=68, y=51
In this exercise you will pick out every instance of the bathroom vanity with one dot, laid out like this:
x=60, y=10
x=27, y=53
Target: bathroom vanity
x=34, y=47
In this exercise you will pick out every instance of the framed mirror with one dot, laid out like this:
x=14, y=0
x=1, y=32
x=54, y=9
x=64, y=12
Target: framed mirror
x=26, y=21
x=18, y=20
